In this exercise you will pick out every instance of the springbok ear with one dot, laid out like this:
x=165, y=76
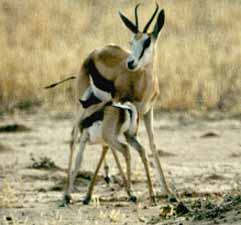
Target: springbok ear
x=128, y=23
x=159, y=24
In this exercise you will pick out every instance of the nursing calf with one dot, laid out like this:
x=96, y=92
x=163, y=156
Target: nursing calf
x=107, y=125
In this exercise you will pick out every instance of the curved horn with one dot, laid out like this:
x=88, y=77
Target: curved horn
x=136, y=16
x=151, y=19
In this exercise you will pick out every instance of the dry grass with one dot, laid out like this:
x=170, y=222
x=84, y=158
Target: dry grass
x=199, y=49
x=8, y=195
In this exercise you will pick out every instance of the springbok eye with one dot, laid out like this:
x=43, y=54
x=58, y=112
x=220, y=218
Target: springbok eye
x=147, y=43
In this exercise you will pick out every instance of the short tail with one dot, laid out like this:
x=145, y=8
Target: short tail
x=60, y=82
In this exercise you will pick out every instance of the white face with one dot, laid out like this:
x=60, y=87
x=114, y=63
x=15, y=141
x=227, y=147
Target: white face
x=141, y=51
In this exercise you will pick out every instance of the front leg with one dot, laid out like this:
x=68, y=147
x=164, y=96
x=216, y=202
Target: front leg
x=148, y=120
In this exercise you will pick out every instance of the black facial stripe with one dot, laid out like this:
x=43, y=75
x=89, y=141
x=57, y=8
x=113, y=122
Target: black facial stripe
x=146, y=44
x=99, y=80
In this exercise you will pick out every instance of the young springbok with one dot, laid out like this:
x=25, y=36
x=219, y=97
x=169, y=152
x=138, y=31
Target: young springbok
x=113, y=72
x=106, y=125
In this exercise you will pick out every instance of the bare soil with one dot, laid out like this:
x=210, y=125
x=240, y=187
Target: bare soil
x=201, y=159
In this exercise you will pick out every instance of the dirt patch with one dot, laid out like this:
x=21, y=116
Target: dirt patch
x=43, y=162
x=215, y=177
x=205, y=175
x=235, y=155
x=163, y=153
x=5, y=149
x=210, y=134
x=9, y=128
x=201, y=210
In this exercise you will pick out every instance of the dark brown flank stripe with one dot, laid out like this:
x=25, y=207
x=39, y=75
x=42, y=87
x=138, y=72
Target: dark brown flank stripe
x=92, y=100
x=96, y=116
x=99, y=80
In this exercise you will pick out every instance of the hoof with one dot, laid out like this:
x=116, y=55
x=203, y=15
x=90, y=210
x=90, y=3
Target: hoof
x=107, y=180
x=153, y=201
x=66, y=201
x=172, y=198
x=168, y=195
x=86, y=200
x=133, y=198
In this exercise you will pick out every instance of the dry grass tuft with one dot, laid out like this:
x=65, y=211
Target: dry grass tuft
x=114, y=216
x=8, y=195
x=198, y=59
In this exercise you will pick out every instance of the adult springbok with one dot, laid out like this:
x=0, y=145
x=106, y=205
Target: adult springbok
x=115, y=73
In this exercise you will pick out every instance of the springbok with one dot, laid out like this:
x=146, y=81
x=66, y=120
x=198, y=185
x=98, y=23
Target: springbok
x=113, y=72
x=106, y=125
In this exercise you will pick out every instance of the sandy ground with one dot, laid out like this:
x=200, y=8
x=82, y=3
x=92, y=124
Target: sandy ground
x=201, y=160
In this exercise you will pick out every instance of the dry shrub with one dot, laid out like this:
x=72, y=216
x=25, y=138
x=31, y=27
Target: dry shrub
x=198, y=60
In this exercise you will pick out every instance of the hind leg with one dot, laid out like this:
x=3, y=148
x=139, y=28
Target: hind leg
x=132, y=140
x=93, y=180
x=115, y=144
x=106, y=170
x=72, y=174
x=127, y=185
x=67, y=197
x=111, y=131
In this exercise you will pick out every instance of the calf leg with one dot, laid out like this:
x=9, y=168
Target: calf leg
x=93, y=180
x=125, y=181
x=136, y=145
x=116, y=145
x=107, y=176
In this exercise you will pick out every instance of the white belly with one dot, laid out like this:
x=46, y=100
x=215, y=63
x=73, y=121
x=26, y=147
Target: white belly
x=95, y=133
x=102, y=95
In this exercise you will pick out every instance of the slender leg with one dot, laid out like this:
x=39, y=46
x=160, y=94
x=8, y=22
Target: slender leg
x=72, y=144
x=126, y=185
x=74, y=134
x=93, y=180
x=124, y=150
x=127, y=156
x=107, y=176
x=148, y=119
x=73, y=174
x=111, y=129
x=137, y=146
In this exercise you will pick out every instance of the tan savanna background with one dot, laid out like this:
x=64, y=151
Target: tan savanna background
x=199, y=49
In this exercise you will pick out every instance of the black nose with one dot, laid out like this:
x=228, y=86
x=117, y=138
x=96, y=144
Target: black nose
x=131, y=64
